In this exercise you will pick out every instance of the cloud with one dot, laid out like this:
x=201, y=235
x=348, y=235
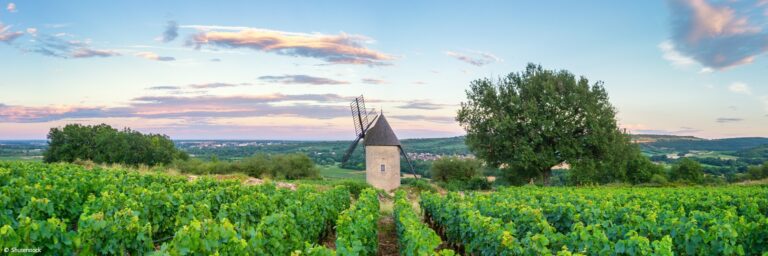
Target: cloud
x=334, y=49
x=198, y=86
x=764, y=99
x=434, y=119
x=373, y=81
x=8, y=36
x=154, y=56
x=718, y=35
x=676, y=58
x=216, y=85
x=171, y=31
x=474, y=57
x=728, y=120
x=423, y=105
x=300, y=79
x=316, y=106
x=57, y=46
x=681, y=131
x=32, y=31
x=11, y=7
x=215, y=60
x=88, y=53
x=419, y=82
x=739, y=87
x=164, y=87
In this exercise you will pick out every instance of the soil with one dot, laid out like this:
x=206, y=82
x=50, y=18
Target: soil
x=387, y=236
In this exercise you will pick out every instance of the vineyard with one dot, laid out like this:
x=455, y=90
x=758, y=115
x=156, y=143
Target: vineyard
x=604, y=221
x=70, y=210
x=66, y=209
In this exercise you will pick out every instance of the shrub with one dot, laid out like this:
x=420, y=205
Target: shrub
x=418, y=184
x=659, y=179
x=281, y=166
x=454, y=168
x=687, y=170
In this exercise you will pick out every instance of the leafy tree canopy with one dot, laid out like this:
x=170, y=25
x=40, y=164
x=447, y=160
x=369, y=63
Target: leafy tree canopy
x=530, y=121
x=104, y=144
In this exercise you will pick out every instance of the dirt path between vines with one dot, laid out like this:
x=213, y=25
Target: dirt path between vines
x=387, y=236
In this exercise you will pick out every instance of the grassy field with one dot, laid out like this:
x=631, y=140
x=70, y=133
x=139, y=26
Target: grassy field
x=336, y=172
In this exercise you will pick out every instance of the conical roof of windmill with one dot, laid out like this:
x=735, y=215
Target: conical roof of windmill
x=381, y=134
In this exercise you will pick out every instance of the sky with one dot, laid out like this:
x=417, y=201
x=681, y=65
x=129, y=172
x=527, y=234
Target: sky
x=288, y=69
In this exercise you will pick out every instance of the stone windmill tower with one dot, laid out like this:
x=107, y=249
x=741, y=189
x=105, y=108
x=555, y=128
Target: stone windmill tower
x=382, y=148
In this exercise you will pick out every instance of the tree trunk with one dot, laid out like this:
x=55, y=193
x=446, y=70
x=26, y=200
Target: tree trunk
x=545, y=175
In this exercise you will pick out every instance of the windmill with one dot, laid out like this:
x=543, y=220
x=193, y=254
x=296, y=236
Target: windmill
x=382, y=148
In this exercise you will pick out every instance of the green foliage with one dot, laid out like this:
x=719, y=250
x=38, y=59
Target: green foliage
x=418, y=184
x=356, y=227
x=121, y=212
x=530, y=121
x=605, y=221
x=414, y=237
x=99, y=233
x=687, y=170
x=104, y=144
x=207, y=237
x=281, y=166
x=50, y=235
x=758, y=172
x=454, y=168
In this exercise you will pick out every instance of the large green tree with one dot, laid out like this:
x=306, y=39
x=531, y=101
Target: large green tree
x=530, y=121
x=104, y=144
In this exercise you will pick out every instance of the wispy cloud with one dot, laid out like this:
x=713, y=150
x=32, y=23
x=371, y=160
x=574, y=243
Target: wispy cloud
x=334, y=49
x=717, y=35
x=171, y=31
x=11, y=7
x=215, y=60
x=301, y=79
x=434, y=119
x=84, y=52
x=373, y=81
x=314, y=106
x=474, y=57
x=739, y=87
x=154, y=56
x=57, y=46
x=728, y=120
x=216, y=85
x=164, y=87
x=423, y=105
x=198, y=86
x=670, y=54
x=7, y=36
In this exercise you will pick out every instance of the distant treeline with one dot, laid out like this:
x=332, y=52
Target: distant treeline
x=104, y=144
x=731, y=144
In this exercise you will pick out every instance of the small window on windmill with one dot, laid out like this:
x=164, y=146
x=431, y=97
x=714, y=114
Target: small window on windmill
x=383, y=168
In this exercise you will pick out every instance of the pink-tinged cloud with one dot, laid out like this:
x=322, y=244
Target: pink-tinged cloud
x=433, y=119
x=216, y=85
x=7, y=36
x=474, y=57
x=154, y=56
x=317, y=106
x=89, y=53
x=11, y=7
x=373, y=81
x=334, y=49
x=301, y=79
x=718, y=35
x=423, y=105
